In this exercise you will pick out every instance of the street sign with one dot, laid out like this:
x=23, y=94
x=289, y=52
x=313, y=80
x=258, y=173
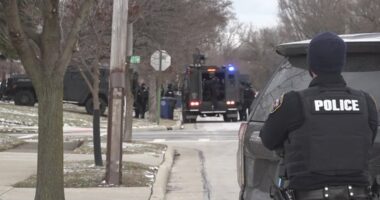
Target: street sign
x=135, y=59
x=165, y=60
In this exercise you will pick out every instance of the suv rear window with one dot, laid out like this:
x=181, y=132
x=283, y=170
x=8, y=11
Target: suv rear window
x=362, y=72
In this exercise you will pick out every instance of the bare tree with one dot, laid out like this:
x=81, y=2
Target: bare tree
x=304, y=18
x=93, y=53
x=365, y=16
x=177, y=26
x=45, y=57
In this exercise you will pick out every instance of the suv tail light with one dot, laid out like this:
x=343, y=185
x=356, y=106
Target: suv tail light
x=240, y=155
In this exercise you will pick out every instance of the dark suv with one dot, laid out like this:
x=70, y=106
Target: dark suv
x=257, y=166
x=20, y=89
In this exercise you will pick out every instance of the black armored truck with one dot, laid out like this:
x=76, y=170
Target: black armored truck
x=258, y=168
x=210, y=91
x=20, y=89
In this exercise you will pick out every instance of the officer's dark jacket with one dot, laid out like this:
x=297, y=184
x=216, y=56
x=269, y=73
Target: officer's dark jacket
x=249, y=96
x=325, y=143
x=142, y=96
x=169, y=93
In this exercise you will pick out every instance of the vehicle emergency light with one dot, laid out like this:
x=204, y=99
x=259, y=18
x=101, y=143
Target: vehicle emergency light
x=211, y=70
x=231, y=68
x=194, y=103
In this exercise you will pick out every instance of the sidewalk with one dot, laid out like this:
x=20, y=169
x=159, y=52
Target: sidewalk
x=15, y=167
x=186, y=181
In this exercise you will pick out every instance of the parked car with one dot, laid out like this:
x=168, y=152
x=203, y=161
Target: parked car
x=19, y=88
x=257, y=166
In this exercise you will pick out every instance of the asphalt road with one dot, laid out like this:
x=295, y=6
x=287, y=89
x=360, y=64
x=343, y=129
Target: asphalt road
x=205, y=166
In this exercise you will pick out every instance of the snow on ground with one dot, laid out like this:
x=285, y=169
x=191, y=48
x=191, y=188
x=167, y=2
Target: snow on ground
x=8, y=142
x=128, y=148
x=83, y=174
x=16, y=116
x=24, y=119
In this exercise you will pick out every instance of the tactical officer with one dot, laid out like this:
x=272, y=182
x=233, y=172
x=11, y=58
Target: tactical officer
x=169, y=92
x=248, y=97
x=326, y=131
x=214, y=91
x=3, y=87
x=142, y=98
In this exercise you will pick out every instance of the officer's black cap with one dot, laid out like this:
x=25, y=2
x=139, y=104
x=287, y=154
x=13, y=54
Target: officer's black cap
x=327, y=53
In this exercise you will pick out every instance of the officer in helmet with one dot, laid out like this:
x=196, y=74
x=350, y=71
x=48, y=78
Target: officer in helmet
x=325, y=131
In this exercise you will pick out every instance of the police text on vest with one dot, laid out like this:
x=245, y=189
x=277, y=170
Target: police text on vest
x=337, y=105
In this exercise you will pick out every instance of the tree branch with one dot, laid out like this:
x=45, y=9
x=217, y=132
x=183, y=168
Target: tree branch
x=73, y=36
x=33, y=35
x=19, y=39
x=88, y=82
x=51, y=36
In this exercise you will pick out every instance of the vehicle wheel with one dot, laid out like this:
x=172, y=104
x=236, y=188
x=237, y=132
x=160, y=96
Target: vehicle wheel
x=25, y=98
x=235, y=119
x=184, y=118
x=225, y=118
x=90, y=106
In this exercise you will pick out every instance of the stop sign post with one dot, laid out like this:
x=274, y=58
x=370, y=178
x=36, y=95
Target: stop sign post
x=160, y=61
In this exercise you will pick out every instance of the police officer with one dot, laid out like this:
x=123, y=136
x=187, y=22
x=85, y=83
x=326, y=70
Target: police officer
x=169, y=92
x=326, y=131
x=214, y=87
x=142, y=98
x=248, y=97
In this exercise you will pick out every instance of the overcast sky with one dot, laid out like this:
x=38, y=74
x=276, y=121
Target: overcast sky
x=260, y=13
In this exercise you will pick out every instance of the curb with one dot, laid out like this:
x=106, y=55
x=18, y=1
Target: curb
x=162, y=177
x=177, y=126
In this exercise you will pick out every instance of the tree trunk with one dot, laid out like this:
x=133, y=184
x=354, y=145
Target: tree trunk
x=96, y=138
x=129, y=109
x=96, y=118
x=50, y=139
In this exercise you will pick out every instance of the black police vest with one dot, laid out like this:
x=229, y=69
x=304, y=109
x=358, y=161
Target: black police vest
x=335, y=138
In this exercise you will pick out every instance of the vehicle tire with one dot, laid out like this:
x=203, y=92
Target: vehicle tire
x=225, y=118
x=184, y=119
x=25, y=98
x=235, y=119
x=90, y=106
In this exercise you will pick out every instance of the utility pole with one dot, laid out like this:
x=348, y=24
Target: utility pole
x=128, y=85
x=117, y=90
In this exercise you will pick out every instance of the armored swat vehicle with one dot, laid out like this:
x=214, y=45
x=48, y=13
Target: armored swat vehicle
x=257, y=167
x=20, y=89
x=210, y=91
